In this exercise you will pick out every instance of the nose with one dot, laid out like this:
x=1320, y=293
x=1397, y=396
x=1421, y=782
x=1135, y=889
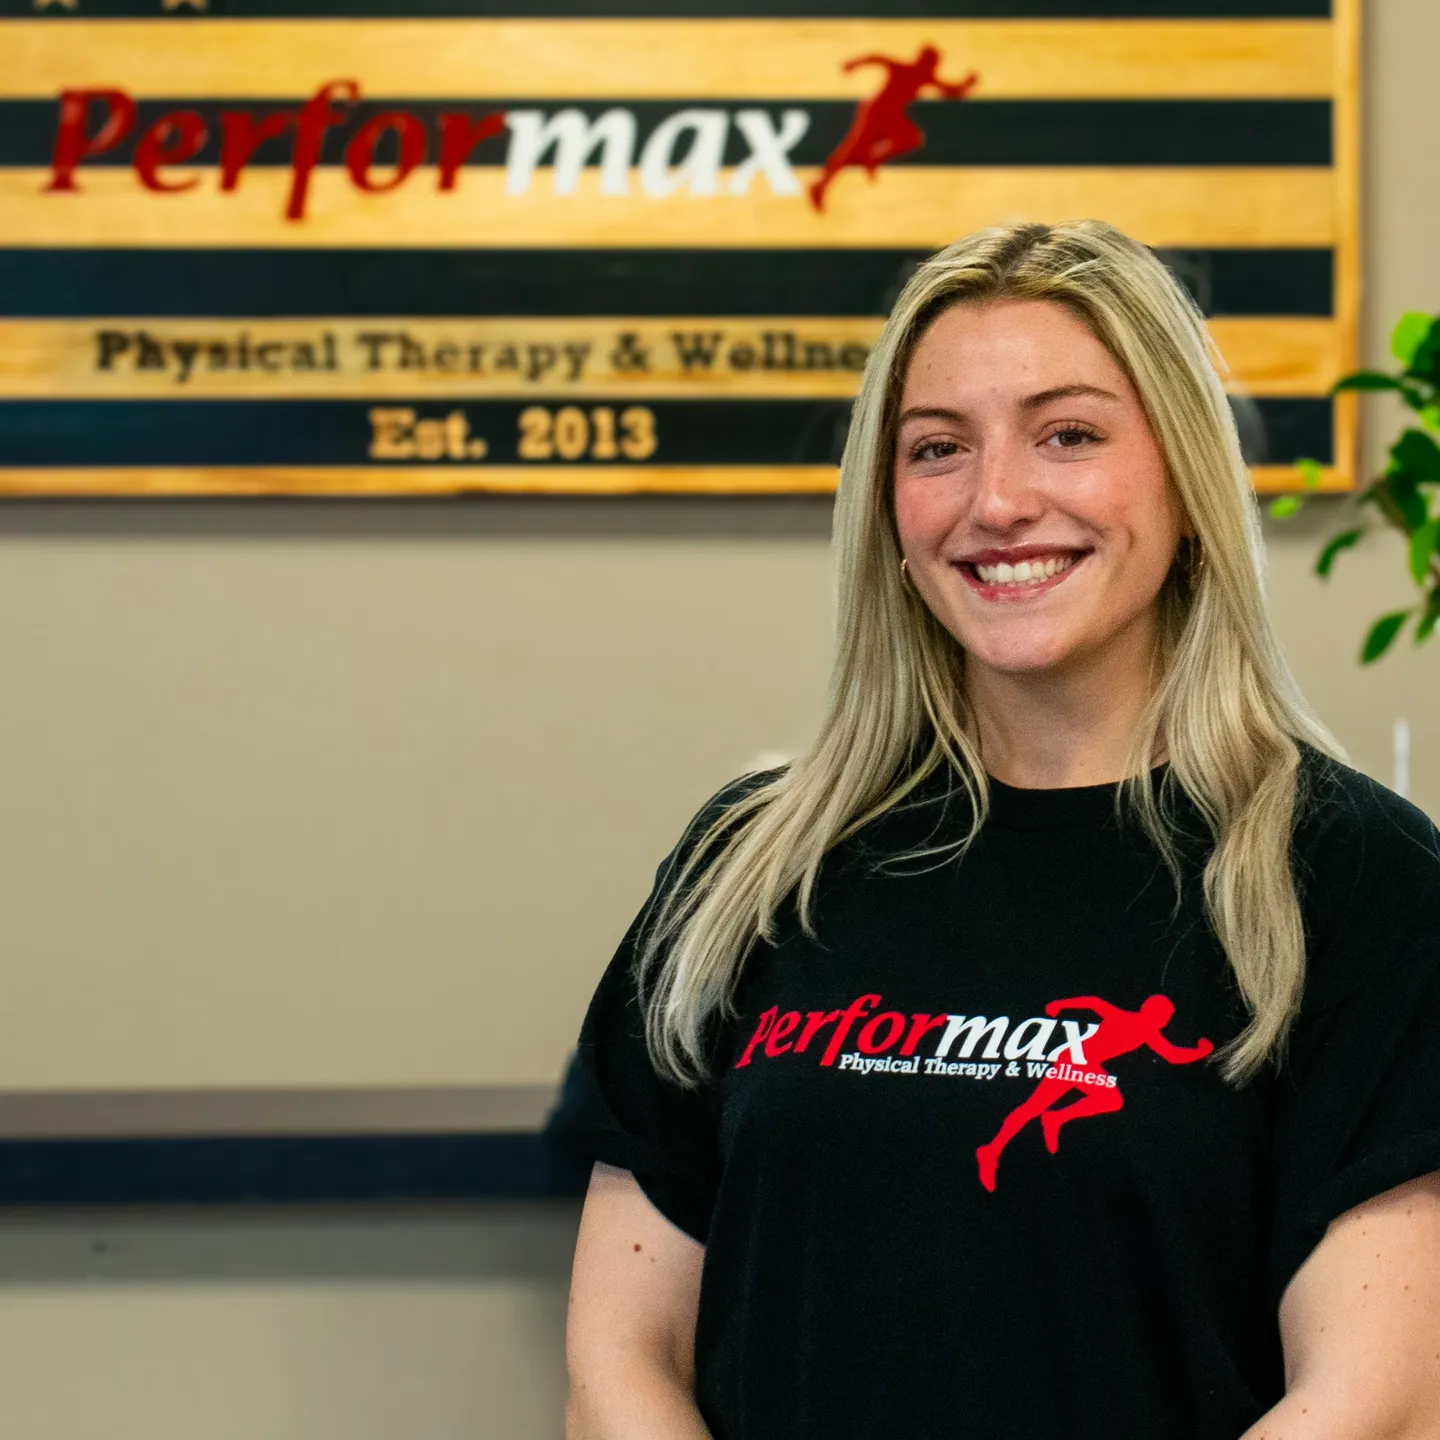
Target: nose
x=1005, y=494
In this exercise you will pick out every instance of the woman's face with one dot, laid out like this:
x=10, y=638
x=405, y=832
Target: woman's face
x=1031, y=498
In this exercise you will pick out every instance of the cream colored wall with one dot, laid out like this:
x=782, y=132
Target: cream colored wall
x=319, y=794
x=332, y=1326
x=359, y=795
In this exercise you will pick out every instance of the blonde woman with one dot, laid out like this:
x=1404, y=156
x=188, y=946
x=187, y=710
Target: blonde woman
x=1054, y=1049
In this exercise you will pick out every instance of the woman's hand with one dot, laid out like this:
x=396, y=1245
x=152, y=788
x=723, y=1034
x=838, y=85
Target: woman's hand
x=1361, y=1326
x=630, y=1336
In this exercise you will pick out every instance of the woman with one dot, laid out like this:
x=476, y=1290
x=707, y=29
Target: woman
x=1054, y=1049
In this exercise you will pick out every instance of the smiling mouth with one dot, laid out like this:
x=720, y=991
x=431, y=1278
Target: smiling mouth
x=996, y=579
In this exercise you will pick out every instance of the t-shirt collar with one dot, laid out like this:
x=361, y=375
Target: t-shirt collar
x=1014, y=808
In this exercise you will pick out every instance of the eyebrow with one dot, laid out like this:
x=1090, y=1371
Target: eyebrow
x=1065, y=392
x=1038, y=401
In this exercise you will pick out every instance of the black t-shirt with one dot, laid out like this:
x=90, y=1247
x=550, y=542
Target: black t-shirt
x=964, y=1168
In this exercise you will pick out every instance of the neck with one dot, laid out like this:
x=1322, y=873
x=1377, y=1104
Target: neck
x=1061, y=728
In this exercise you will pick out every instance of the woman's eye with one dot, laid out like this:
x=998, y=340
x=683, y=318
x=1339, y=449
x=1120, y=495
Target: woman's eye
x=1072, y=437
x=933, y=450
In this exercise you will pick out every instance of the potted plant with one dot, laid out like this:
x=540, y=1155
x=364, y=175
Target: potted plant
x=1399, y=497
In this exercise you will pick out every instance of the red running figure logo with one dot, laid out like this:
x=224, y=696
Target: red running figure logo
x=881, y=130
x=1118, y=1033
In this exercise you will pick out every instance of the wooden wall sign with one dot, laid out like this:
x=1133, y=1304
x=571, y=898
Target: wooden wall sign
x=435, y=246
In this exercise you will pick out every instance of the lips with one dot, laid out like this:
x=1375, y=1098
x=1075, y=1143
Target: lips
x=1023, y=571
x=1020, y=572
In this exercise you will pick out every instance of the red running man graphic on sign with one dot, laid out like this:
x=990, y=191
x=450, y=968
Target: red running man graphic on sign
x=1118, y=1033
x=881, y=130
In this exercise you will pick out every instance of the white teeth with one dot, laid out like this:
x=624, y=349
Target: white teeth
x=1026, y=572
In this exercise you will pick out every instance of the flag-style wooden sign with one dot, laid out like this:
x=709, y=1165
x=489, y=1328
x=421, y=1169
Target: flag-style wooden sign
x=436, y=246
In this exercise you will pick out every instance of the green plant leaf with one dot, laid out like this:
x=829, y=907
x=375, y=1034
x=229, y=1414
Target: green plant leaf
x=1311, y=473
x=1422, y=547
x=1430, y=415
x=1409, y=335
x=1382, y=634
x=1415, y=394
x=1425, y=362
x=1428, y=617
x=1367, y=380
x=1284, y=506
x=1400, y=489
x=1343, y=541
x=1417, y=455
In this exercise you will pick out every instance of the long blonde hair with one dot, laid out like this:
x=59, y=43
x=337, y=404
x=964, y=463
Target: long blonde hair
x=1225, y=710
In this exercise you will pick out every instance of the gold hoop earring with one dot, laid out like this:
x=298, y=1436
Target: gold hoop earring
x=905, y=579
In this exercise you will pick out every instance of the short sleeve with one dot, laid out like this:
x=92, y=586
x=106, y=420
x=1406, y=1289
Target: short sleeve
x=1358, y=1102
x=622, y=1112
x=619, y=1109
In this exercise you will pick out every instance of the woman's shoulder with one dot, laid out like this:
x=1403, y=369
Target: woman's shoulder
x=1346, y=818
x=1367, y=864
x=699, y=839
x=724, y=801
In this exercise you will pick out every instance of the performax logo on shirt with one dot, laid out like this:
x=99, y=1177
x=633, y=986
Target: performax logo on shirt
x=961, y=1037
x=1077, y=1062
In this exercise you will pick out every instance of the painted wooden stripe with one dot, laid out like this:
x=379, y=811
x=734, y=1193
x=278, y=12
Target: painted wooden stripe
x=425, y=480
x=1285, y=479
x=450, y=480
x=691, y=431
x=667, y=59
x=1282, y=356
x=412, y=358
x=1347, y=218
x=979, y=132
x=923, y=208
x=370, y=10
x=86, y=284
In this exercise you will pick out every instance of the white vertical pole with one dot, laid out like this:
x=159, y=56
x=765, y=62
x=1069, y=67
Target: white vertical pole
x=1401, y=785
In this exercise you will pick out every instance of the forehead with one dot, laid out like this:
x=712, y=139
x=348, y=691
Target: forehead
x=1009, y=347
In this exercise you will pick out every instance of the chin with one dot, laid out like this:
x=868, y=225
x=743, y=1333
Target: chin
x=1020, y=663
x=1019, y=654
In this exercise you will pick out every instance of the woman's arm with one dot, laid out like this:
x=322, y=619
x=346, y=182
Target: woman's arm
x=1361, y=1326
x=630, y=1335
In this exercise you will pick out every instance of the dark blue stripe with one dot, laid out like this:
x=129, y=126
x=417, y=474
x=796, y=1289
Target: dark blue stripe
x=973, y=132
x=286, y=1170
x=337, y=432
x=1257, y=282
x=358, y=282
x=1277, y=431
